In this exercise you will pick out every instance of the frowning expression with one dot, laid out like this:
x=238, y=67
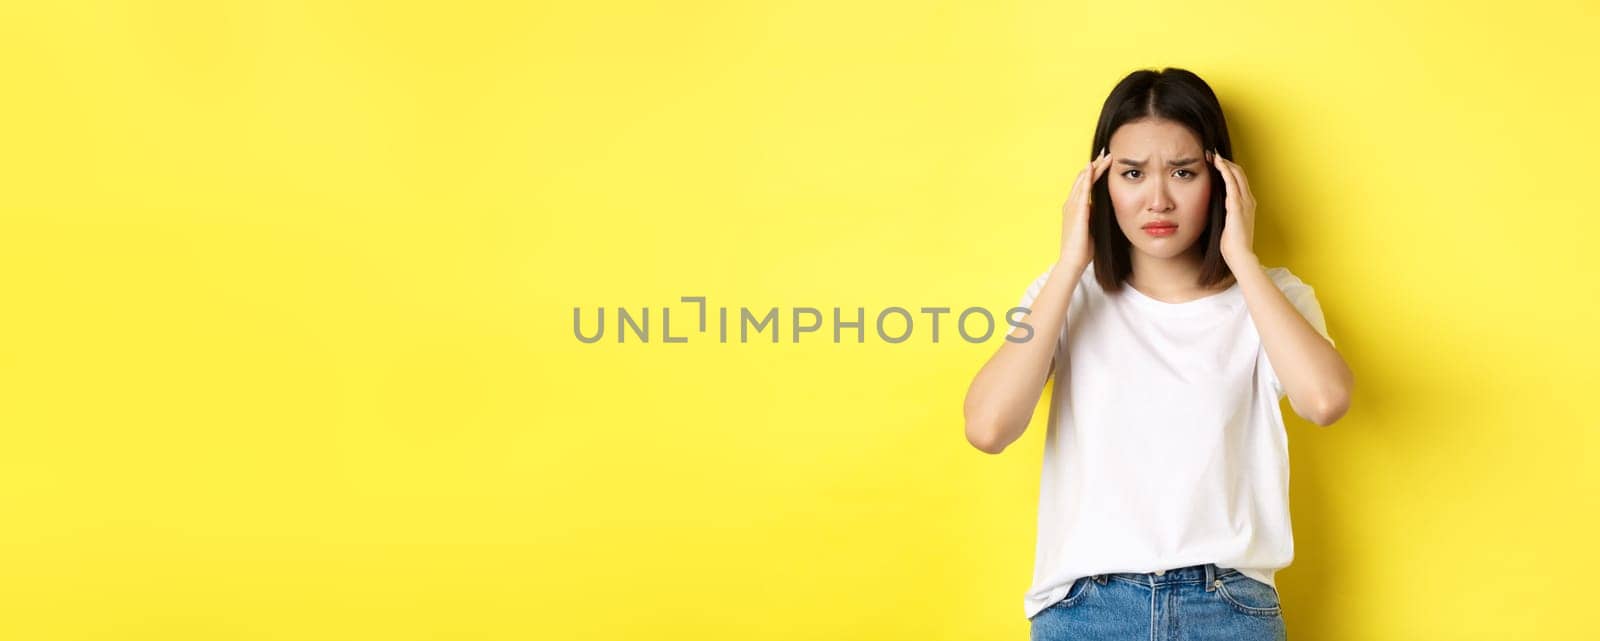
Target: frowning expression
x=1159, y=176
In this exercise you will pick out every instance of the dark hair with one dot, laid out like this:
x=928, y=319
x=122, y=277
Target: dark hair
x=1171, y=94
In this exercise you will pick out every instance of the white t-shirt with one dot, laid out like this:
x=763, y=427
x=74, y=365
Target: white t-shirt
x=1165, y=445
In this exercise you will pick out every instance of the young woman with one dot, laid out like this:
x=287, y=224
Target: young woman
x=1164, y=493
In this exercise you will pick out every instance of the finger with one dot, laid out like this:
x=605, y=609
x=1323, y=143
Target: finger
x=1239, y=179
x=1086, y=186
x=1078, y=177
x=1227, y=176
x=1077, y=184
x=1102, y=163
x=1241, y=184
x=1244, y=182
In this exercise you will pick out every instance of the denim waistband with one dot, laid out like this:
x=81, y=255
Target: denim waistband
x=1203, y=574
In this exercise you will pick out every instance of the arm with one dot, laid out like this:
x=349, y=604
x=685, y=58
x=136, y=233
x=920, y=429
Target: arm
x=1001, y=400
x=1003, y=395
x=1314, y=376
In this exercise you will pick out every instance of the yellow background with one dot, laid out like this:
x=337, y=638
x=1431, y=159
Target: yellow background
x=287, y=348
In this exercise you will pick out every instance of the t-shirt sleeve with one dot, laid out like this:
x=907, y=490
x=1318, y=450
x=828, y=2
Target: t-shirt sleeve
x=1030, y=293
x=1304, y=299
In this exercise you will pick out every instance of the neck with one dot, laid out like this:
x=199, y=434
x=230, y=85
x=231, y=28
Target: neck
x=1174, y=275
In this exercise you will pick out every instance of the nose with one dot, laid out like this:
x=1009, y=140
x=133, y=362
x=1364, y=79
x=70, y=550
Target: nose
x=1159, y=201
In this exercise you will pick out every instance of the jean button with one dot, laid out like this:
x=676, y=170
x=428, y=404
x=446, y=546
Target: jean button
x=1160, y=572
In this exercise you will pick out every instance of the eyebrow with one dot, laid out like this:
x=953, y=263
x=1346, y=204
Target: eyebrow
x=1171, y=163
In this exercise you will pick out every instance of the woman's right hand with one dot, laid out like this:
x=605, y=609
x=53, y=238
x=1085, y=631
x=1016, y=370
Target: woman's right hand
x=1077, y=244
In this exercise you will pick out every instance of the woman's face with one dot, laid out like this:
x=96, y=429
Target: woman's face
x=1159, y=174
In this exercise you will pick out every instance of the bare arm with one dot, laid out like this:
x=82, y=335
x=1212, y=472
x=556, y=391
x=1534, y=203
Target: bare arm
x=1313, y=374
x=1002, y=397
x=1001, y=400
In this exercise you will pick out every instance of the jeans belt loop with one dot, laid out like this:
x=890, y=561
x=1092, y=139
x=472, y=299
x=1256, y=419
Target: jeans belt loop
x=1211, y=576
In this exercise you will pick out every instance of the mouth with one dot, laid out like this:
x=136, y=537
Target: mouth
x=1160, y=229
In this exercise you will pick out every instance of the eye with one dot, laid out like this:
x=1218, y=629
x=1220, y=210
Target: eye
x=1187, y=174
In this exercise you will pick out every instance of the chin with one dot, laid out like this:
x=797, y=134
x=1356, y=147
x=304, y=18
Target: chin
x=1162, y=247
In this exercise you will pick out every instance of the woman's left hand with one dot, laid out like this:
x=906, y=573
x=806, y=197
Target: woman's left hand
x=1239, y=230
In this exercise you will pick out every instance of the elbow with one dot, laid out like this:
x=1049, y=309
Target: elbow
x=1326, y=417
x=1327, y=411
x=985, y=434
x=1332, y=406
x=986, y=444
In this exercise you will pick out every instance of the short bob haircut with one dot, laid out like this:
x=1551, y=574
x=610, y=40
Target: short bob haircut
x=1171, y=94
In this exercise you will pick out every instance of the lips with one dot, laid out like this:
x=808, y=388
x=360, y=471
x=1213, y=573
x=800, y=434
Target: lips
x=1161, y=230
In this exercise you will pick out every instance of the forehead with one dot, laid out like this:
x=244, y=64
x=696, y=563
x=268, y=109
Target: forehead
x=1155, y=136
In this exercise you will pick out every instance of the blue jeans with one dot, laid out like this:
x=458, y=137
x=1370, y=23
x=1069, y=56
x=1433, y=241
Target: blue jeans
x=1196, y=603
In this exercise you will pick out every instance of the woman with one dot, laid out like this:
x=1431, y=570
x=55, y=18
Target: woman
x=1163, y=507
